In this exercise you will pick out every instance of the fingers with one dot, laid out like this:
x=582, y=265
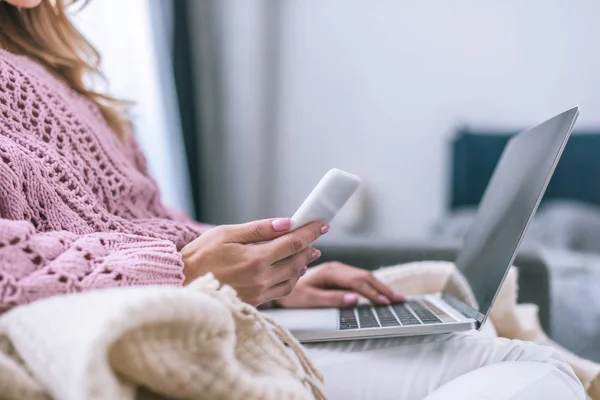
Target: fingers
x=257, y=231
x=293, y=266
x=331, y=298
x=365, y=289
x=359, y=281
x=281, y=289
x=292, y=243
x=384, y=290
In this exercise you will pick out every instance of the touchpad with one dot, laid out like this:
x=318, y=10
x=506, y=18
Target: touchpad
x=306, y=320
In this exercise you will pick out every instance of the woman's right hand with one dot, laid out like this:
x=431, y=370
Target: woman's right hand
x=261, y=260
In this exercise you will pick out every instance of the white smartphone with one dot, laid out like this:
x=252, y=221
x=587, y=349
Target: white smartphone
x=327, y=198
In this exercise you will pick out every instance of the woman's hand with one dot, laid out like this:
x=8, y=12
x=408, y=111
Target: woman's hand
x=261, y=260
x=335, y=284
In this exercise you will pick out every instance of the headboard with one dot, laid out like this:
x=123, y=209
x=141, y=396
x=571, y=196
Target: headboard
x=476, y=153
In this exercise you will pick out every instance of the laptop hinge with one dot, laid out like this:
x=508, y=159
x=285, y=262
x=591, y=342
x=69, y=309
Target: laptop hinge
x=464, y=308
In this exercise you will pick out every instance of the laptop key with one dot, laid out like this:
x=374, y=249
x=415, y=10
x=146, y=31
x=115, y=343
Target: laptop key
x=366, y=318
x=439, y=313
x=347, y=319
x=405, y=316
x=386, y=318
x=426, y=316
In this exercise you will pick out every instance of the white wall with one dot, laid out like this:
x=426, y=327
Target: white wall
x=376, y=87
x=372, y=87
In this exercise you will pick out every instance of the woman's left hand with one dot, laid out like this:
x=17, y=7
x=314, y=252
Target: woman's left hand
x=334, y=284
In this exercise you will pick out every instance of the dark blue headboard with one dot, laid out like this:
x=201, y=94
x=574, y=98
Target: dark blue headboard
x=476, y=153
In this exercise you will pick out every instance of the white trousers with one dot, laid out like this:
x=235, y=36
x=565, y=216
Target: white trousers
x=454, y=366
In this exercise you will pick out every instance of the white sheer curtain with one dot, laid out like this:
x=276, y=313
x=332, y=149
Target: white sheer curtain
x=132, y=37
x=235, y=48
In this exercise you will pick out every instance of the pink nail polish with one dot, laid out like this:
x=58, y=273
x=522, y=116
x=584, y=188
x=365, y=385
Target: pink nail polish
x=383, y=299
x=303, y=271
x=350, y=298
x=324, y=229
x=281, y=224
x=315, y=255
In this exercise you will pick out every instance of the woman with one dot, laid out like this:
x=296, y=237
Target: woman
x=78, y=211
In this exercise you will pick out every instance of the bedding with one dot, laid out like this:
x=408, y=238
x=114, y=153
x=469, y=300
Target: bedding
x=567, y=237
x=566, y=225
x=575, y=300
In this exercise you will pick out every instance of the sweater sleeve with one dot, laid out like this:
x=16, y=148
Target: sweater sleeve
x=139, y=160
x=37, y=265
x=180, y=216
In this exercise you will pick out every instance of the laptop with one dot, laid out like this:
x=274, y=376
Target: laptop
x=489, y=249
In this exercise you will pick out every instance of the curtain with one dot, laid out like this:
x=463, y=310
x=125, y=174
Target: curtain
x=185, y=79
x=224, y=64
x=198, y=53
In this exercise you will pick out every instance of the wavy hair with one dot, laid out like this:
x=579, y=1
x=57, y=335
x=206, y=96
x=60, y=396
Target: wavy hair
x=46, y=35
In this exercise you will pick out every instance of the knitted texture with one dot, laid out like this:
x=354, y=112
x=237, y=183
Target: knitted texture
x=78, y=208
x=198, y=342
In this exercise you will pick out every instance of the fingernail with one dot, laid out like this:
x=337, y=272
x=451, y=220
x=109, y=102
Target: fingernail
x=399, y=298
x=350, y=298
x=324, y=229
x=281, y=224
x=383, y=299
x=315, y=255
x=303, y=271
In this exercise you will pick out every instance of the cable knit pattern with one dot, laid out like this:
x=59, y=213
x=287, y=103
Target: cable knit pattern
x=78, y=208
x=153, y=342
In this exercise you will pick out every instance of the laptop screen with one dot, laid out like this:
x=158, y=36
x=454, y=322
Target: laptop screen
x=508, y=204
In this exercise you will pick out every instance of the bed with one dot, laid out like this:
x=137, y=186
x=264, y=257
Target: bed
x=565, y=231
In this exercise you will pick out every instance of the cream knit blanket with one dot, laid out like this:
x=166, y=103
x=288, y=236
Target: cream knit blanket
x=199, y=342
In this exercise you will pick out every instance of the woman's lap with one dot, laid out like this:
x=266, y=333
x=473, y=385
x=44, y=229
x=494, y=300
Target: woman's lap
x=413, y=367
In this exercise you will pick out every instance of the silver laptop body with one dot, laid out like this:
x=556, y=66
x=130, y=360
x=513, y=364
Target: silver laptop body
x=489, y=249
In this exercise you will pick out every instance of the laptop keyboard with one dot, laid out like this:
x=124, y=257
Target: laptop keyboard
x=426, y=316
x=369, y=316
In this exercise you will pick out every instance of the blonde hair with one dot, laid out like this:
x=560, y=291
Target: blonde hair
x=46, y=35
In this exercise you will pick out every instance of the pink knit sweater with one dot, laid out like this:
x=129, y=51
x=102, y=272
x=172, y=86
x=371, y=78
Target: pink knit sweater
x=78, y=209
